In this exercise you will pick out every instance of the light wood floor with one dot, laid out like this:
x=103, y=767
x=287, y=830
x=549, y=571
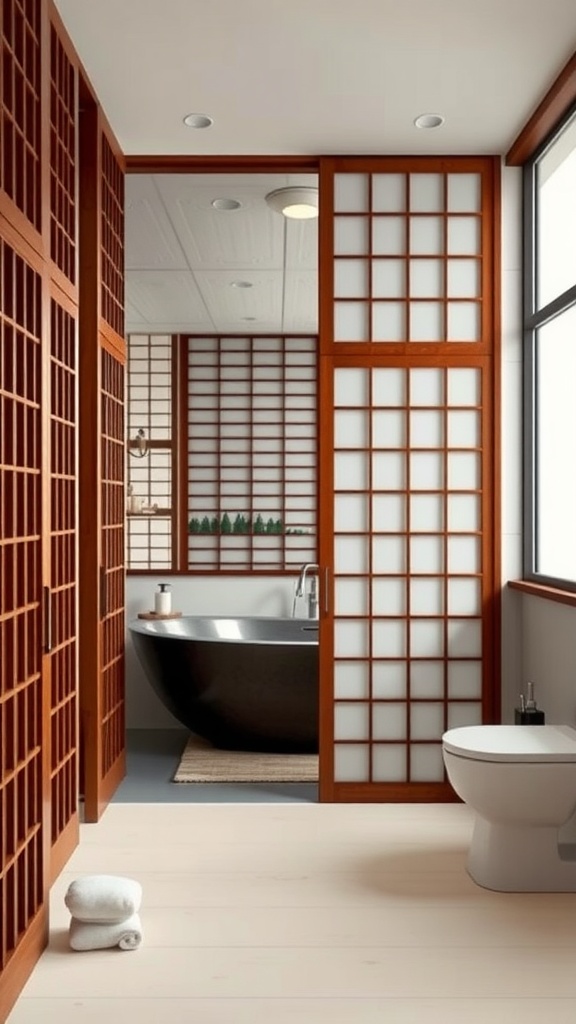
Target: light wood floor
x=316, y=914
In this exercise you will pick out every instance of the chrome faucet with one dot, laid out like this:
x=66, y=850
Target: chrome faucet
x=300, y=590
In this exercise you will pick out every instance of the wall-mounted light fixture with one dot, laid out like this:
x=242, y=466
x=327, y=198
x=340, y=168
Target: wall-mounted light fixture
x=297, y=201
x=138, y=445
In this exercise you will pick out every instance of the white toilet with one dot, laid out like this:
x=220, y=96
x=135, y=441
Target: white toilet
x=521, y=782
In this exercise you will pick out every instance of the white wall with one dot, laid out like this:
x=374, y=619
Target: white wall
x=273, y=596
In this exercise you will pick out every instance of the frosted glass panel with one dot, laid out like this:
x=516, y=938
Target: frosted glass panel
x=351, y=597
x=464, y=597
x=426, y=430
x=464, y=680
x=350, y=639
x=463, y=471
x=426, y=321
x=463, y=236
x=464, y=639
x=463, y=555
x=460, y=715
x=351, y=236
x=426, y=387
x=426, y=679
x=388, y=279
x=426, y=555
x=389, y=679
x=463, y=321
x=388, y=236
x=464, y=195
x=426, y=597
x=350, y=555
x=351, y=387
x=389, y=763
x=351, y=762
x=426, y=638
x=388, y=321
x=388, y=387
x=426, y=193
x=426, y=471
x=351, y=722
x=351, y=321
x=350, y=513
x=426, y=279
x=351, y=279
x=350, y=193
x=426, y=721
x=389, y=721
x=388, y=555
x=388, y=513
x=388, y=193
x=351, y=428
x=426, y=236
x=426, y=763
x=463, y=429
x=463, y=279
x=388, y=471
x=351, y=680
x=426, y=513
x=388, y=429
x=463, y=513
x=464, y=386
x=388, y=639
x=388, y=597
x=350, y=471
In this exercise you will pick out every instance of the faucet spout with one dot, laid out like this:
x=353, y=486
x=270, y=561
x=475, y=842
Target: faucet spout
x=312, y=569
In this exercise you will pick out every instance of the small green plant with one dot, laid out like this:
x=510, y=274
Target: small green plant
x=239, y=525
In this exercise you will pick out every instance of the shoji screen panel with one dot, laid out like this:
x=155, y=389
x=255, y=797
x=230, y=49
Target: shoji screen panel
x=112, y=705
x=112, y=238
x=22, y=839
x=63, y=570
x=63, y=167
x=252, y=452
x=409, y=468
x=412, y=245
x=20, y=129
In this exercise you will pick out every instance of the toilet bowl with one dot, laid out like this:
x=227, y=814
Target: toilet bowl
x=521, y=783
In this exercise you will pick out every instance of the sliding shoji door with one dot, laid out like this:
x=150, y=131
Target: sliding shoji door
x=409, y=472
x=102, y=459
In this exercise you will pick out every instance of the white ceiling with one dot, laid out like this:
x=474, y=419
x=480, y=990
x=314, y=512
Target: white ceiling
x=291, y=77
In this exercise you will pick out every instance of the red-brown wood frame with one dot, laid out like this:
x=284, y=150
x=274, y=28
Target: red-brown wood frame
x=555, y=105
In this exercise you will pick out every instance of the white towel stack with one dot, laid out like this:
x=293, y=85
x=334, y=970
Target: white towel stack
x=104, y=912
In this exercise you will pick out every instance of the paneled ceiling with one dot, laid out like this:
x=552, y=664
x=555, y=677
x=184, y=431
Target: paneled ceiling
x=192, y=267
x=306, y=77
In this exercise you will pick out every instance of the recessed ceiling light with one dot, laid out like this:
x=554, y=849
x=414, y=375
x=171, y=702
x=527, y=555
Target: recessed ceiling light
x=241, y=284
x=297, y=201
x=198, y=121
x=429, y=121
x=248, y=318
x=226, y=204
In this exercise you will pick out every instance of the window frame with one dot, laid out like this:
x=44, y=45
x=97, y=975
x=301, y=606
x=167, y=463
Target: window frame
x=534, y=319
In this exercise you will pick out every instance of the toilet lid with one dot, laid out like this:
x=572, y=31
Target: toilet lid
x=512, y=742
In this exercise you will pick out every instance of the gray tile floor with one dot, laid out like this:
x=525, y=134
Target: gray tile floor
x=152, y=758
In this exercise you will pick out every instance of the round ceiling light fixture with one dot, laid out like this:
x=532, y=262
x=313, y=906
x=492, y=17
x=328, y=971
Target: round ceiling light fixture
x=297, y=201
x=198, y=121
x=429, y=121
x=226, y=204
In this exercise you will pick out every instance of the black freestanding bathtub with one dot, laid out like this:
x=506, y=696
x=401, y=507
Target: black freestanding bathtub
x=247, y=683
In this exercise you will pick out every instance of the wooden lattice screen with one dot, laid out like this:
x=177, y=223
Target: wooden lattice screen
x=112, y=574
x=112, y=240
x=21, y=753
x=63, y=568
x=63, y=86
x=20, y=140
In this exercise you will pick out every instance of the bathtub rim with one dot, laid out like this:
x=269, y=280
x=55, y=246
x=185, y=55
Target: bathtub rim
x=306, y=630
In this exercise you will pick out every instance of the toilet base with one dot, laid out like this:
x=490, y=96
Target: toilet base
x=515, y=859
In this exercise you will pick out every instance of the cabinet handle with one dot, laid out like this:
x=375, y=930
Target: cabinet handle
x=47, y=617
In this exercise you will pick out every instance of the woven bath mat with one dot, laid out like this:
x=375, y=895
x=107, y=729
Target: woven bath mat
x=202, y=762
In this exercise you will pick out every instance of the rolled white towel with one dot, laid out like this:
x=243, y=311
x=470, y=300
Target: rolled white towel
x=107, y=899
x=86, y=935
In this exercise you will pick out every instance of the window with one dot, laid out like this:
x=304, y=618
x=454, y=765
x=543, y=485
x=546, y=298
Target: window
x=550, y=361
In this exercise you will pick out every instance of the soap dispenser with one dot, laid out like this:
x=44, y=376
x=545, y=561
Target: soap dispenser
x=528, y=713
x=163, y=600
